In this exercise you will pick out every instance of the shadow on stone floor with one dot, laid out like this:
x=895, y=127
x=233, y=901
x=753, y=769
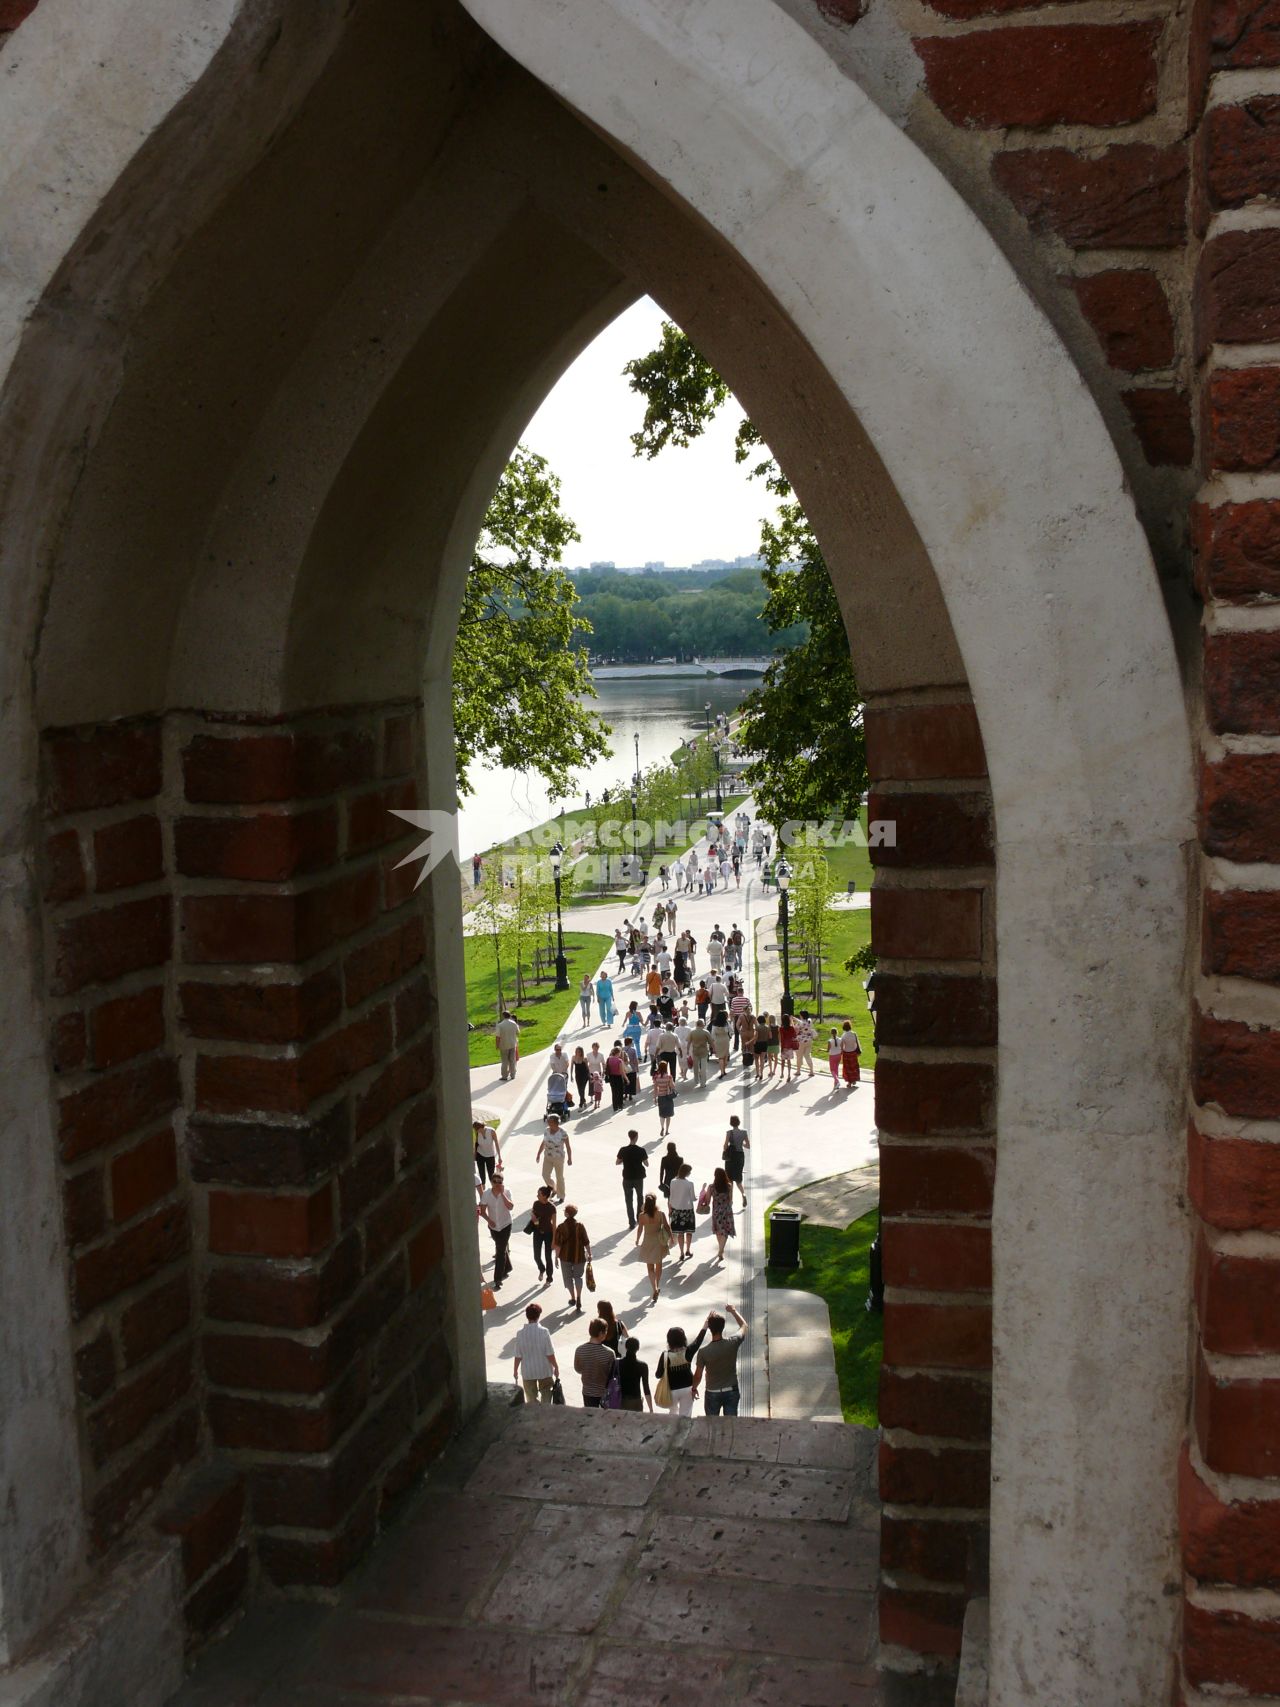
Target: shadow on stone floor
x=586, y=1559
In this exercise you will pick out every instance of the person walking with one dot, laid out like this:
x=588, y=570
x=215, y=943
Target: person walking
x=850, y=1049
x=631, y=1056
x=671, y=917
x=554, y=1152
x=543, y=1216
x=787, y=1040
x=721, y=1039
x=621, y=943
x=495, y=1207
x=633, y=1159
x=668, y=1047
x=747, y=1037
x=653, y=1240
x=594, y=1363
x=805, y=1031
x=616, y=1072
x=760, y=1048
x=584, y=999
x=595, y=1077
x=506, y=1034
x=700, y=1053
x=682, y=1201
x=535, y=1367
x=664, y=1091
x=717, y=1363
x=736, y=1145
x=633, y=1379
x=681, y=1028
x=604, y=996
x=615, y=1329
x=702, y=999
x=833, y=1055
x=488, y=1151
x=477, y=870
x=573, y=1247
x=674, y=1366
x=633, y=1025
x=581, y=1075
x=722, y=1222
x=668, y=1168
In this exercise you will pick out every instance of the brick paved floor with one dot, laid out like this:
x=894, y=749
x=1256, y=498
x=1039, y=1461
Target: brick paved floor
x=586, y=1559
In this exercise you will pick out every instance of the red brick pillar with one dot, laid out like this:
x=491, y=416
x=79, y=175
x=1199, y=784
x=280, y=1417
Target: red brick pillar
x=1230, y=1477
x=311, y=1135
x=933, y=929
x=109, y=941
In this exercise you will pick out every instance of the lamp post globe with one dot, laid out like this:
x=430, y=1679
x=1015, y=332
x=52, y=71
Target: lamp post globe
x=562, y=965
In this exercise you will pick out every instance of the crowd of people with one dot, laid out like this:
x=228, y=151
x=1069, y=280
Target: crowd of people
x=690, y=1018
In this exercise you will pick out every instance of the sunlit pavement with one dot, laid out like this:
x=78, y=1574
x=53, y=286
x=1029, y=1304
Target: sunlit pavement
x=799, y=1131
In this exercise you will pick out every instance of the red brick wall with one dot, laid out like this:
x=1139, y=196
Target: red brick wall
x=242, y=1036
x=1230, y=1477
x=933, y=926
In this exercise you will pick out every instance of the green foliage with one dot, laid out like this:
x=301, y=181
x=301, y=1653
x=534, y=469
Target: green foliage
x=684, y=393
x=812, y=905
x=517, y=674
x=836, y=1264
x=803, y=727
x=862, y=960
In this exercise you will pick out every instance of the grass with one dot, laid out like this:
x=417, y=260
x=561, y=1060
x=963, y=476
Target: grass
x=836, y=1265
x=544, y=1013
x=843, y=996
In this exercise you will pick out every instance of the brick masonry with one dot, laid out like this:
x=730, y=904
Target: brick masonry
x=933, y=924
x=242, y=1044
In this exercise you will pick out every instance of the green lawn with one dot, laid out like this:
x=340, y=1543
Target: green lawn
x=836, y=1266
x=843, y=996
x=543, y=1015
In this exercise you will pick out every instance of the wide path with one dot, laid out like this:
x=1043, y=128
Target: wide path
x=799, y=1132
x=560, y=1558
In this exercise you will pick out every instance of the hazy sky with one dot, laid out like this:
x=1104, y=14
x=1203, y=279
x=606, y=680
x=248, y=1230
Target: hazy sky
x=682, y=506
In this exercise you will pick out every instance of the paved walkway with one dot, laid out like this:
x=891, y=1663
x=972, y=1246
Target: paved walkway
x=560, y=1558
x=799, y=1132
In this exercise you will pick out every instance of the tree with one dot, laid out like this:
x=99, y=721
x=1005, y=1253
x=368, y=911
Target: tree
x=802, y=729
x=518, y=679
x=812, y=901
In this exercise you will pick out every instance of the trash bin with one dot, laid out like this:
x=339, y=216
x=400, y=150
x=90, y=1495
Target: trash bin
x=784, y=1238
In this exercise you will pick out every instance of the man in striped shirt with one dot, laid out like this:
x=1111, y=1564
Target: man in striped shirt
x=536, y=1357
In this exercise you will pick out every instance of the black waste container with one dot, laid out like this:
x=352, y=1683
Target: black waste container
x=784, y=1238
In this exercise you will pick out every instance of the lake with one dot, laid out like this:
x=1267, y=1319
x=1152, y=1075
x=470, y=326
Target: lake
x=662, y=712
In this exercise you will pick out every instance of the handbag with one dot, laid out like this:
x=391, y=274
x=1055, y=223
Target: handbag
x=704, y=1200
x=662, y=1388
x=557, y=1393
x=665, y=1238
x=591, y=1278
x=487, y=1299
x=528, y=1226
x=613, y=1392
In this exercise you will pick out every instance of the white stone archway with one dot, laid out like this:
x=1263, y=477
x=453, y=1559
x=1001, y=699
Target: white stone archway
x=1005, y=467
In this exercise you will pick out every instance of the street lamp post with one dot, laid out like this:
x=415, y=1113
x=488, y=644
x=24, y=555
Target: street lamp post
x=715, y=750
x=562, y=965
x=783, y=874
x=634, y=844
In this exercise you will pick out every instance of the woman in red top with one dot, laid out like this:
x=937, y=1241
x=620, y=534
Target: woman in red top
x=788, y=1039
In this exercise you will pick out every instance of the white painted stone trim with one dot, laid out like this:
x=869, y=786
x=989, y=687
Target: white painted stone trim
x=1004, y=464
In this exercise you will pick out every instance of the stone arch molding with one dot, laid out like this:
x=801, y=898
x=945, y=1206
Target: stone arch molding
x=1002, y=461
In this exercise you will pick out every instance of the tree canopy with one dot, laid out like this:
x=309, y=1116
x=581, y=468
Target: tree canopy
x=803, y=727
x=518, y=677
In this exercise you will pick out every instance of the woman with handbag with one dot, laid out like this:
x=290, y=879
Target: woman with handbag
x=573, y=1247
x=542, y=1224
x=682, y=1199
x=615, y=1330
x=675, y=1376
x=655, y=1239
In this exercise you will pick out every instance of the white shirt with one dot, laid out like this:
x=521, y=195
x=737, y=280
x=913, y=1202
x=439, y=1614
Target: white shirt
x=497, y=1209
x=533, y=1348
x=554, y=1142
x=486, y=1141
x=683, y=1195
x=849, y=1044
